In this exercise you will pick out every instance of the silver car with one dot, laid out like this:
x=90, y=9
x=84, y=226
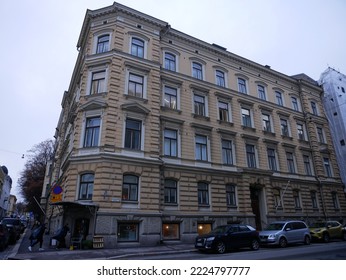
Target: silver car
x=282, y=233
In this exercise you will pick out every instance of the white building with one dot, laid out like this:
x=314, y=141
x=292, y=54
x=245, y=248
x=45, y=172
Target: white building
x=5, y=190
x=334, y=101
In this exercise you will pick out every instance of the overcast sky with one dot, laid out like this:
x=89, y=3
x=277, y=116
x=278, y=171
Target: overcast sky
x=39, y=37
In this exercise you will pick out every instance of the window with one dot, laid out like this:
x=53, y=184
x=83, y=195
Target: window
x=102, y=44
x=171, y=97
x=86, y=186
x=277, y=198
x=136, y=85
x=203, y=193
x=266, y=123
x=327, y=167
x=261, y=92
x=300, y=130
x=201, y=147
x=284, y=127
x=220, y=78
x=133, y=134
x=197, y=70
x=170, y=142
x=296, y=199
x=307, y=165
x=128, y=232
x=170, y=191
x=314, y=108
x=251, y=156
x=295, y=105
x=242, y=85
x=246, y=117
x=199, y=104
x=98, y=82
x=313, y=196
x=170, y=62
x=170, y=231
x=335, y=200
x=223, y=111
x=290, y=162
x=137, y=47
x=227, y=152
x=130, y=188
x=231, y=195
x=320, y=134
x=272, y=159
x=92, y=132
x=203, y=228
x=279, y=99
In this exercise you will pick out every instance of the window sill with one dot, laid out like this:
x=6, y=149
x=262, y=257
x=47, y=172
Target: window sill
x=165, y=108
x=265, y=132
x=200, y=117
x=248, y=128
x=225, y=122
x=143, y=100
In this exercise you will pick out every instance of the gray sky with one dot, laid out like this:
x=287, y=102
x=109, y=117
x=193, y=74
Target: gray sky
x=39, y=37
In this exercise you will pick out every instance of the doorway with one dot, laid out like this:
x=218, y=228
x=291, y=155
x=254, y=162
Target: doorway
x=255, y=205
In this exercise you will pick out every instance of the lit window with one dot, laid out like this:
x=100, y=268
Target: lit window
x=170, y=231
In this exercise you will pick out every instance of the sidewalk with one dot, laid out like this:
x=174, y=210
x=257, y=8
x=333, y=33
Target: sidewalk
x=21, y=251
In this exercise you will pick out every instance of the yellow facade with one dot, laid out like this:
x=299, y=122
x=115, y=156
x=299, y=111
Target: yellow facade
x=169, y=144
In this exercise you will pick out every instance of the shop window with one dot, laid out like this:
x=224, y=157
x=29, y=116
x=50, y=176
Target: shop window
x=128, y=232
x=170, y=231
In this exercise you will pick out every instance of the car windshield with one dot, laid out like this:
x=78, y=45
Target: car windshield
x=220, y=229
x=275, y=226
x=318, y=225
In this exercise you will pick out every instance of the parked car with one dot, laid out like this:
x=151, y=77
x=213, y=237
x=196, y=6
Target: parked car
x=227, y=237
x=282, y=233
x=14, y=227
x=4, y=237
x=326, y=230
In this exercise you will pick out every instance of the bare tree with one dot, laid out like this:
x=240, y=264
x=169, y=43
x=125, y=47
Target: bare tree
x=32, y=177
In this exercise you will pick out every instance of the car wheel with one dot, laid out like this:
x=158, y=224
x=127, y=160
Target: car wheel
x=282, y=242
x=254, y=244
x=325, y=237
x=307, y=240
x=220, y=247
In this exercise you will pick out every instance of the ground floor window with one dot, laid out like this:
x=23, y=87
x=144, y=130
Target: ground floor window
x=203, y=228
x=170, y=231
x=128, y=232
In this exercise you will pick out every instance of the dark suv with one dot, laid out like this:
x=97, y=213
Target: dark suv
x=227, y=237
x=14, y=227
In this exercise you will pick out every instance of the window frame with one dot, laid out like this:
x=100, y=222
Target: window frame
x=95, y=137
x=169, y=190
x=172, y=63
x=203, y=194
x=227, y=152
x=223, y=113
x=327, y=167
x=307, y=165
x=126, y=223
x=231, y=195
x=171, y=143
x=272, y=159
x=295, y=103
x=132, y=131
x=284, y=127
x=101, y=87
x=242, y=85
x=220, y=78
x=167, y=95
x=132, y=187
x=136, y=48
x=105, y=45
x=290, y=159
x=267, y=124
x=197, y=70
x=201, y=149
x=246, y=119
x=251, y=157
x=261, y=91
x=200, y=108
x=89, y=186
x=279, y=98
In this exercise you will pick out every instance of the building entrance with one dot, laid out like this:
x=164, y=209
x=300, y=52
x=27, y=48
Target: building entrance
x=255, y=204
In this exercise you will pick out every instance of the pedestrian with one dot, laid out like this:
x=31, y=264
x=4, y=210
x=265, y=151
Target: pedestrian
x=60, y=236
x=36, y=236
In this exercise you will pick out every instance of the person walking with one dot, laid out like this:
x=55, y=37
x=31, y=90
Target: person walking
x=36, y=236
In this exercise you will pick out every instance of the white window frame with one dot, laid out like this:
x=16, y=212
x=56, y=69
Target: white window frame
x=229, y=114
x=142, y=120
x=224, y=77
x=206, y=102
x=91, y=72
x=134, y=35
x=97, y=36
x=87, y=115
x=250, y=115
x=144, y=74
x=177, y=88
x=172, y=52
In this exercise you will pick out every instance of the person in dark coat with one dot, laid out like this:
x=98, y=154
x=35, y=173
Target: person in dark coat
x=36, y=236
x=60, y=236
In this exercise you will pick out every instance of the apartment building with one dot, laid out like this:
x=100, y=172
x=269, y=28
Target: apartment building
x=163, y=136
x=334, y=102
